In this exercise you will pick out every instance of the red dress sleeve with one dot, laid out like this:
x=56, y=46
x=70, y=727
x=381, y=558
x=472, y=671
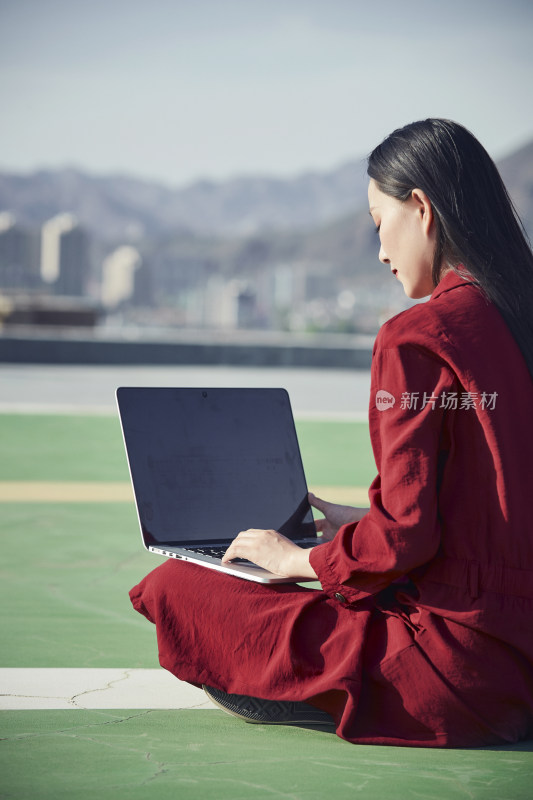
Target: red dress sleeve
x=410, y=430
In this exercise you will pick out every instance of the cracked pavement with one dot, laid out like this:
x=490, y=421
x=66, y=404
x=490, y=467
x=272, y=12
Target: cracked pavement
x=51, y=688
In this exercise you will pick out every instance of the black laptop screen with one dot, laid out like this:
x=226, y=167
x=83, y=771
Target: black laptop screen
x=208, y=463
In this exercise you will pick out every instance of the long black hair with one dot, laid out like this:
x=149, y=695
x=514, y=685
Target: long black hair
x=477, y=226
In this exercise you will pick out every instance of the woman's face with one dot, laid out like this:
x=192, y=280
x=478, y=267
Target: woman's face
x=407, y=235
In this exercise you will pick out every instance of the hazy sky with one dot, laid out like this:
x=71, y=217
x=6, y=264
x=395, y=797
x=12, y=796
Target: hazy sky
x=215, y=88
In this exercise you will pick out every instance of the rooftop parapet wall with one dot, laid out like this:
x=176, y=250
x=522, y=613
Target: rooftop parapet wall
x=203, y=348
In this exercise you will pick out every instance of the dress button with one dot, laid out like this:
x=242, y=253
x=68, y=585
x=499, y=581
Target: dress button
x=340, y=597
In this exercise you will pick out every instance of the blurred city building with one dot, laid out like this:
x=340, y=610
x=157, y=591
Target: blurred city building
x=44, y=274
x=63, y=275
x=19, y=255
x=65, y=256
x=118, y=276
x=295, y=255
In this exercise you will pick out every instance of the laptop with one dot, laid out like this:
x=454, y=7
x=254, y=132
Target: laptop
x=206, y=464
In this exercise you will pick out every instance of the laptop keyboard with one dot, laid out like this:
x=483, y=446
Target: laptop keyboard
x=218, y=551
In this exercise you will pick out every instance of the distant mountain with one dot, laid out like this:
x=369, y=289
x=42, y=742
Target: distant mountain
x=313, y=230
x=118, y=207
x=236, y=227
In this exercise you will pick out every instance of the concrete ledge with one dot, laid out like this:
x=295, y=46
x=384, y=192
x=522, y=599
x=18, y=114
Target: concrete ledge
x=97, y=688
x=238, y=349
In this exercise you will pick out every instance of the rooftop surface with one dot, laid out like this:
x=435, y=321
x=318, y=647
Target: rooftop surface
x=86, y=709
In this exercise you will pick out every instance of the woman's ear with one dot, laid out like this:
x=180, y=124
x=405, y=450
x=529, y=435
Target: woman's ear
x=423, y=208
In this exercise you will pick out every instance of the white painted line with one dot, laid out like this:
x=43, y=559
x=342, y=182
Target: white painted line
x=96, y=688
x=70, y=409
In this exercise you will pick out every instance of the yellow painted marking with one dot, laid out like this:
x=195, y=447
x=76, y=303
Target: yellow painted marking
x=121, y=492
x=348, y=495
x=64, y=492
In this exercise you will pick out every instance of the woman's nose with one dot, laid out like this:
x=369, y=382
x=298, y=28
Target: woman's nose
x=383, y=257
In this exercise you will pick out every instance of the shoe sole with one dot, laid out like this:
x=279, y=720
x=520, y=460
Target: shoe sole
x=267, y=712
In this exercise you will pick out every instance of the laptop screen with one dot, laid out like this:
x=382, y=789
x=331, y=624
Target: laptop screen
x=208, y=463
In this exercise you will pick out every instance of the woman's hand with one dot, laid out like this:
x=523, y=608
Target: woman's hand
x=335, y=516
x=271, y=550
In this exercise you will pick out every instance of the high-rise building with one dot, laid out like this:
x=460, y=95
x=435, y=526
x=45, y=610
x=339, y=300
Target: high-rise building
x=118, y=276
x=19, y=255
x=65, y=255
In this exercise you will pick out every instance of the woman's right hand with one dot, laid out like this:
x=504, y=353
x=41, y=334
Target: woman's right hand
x=335, y=516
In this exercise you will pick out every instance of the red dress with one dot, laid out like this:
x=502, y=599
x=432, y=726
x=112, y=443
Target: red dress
x=423, y=632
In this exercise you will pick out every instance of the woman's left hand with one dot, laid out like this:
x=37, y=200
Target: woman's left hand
x=271, y=550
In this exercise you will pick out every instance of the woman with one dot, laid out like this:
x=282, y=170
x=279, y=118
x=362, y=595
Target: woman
x=423, y=631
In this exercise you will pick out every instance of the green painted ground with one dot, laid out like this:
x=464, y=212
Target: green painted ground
x=75, y=563
x=80, y=448
x=206, y=755
x=64, y=577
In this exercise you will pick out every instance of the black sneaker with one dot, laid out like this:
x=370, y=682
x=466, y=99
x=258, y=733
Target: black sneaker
x=267, y=712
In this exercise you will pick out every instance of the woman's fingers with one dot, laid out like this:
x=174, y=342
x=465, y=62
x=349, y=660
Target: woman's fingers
x=321, y=525
x=271, y=550
x=235, y=549
x=246, y=543
x=318, y=503
x=335, y=513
